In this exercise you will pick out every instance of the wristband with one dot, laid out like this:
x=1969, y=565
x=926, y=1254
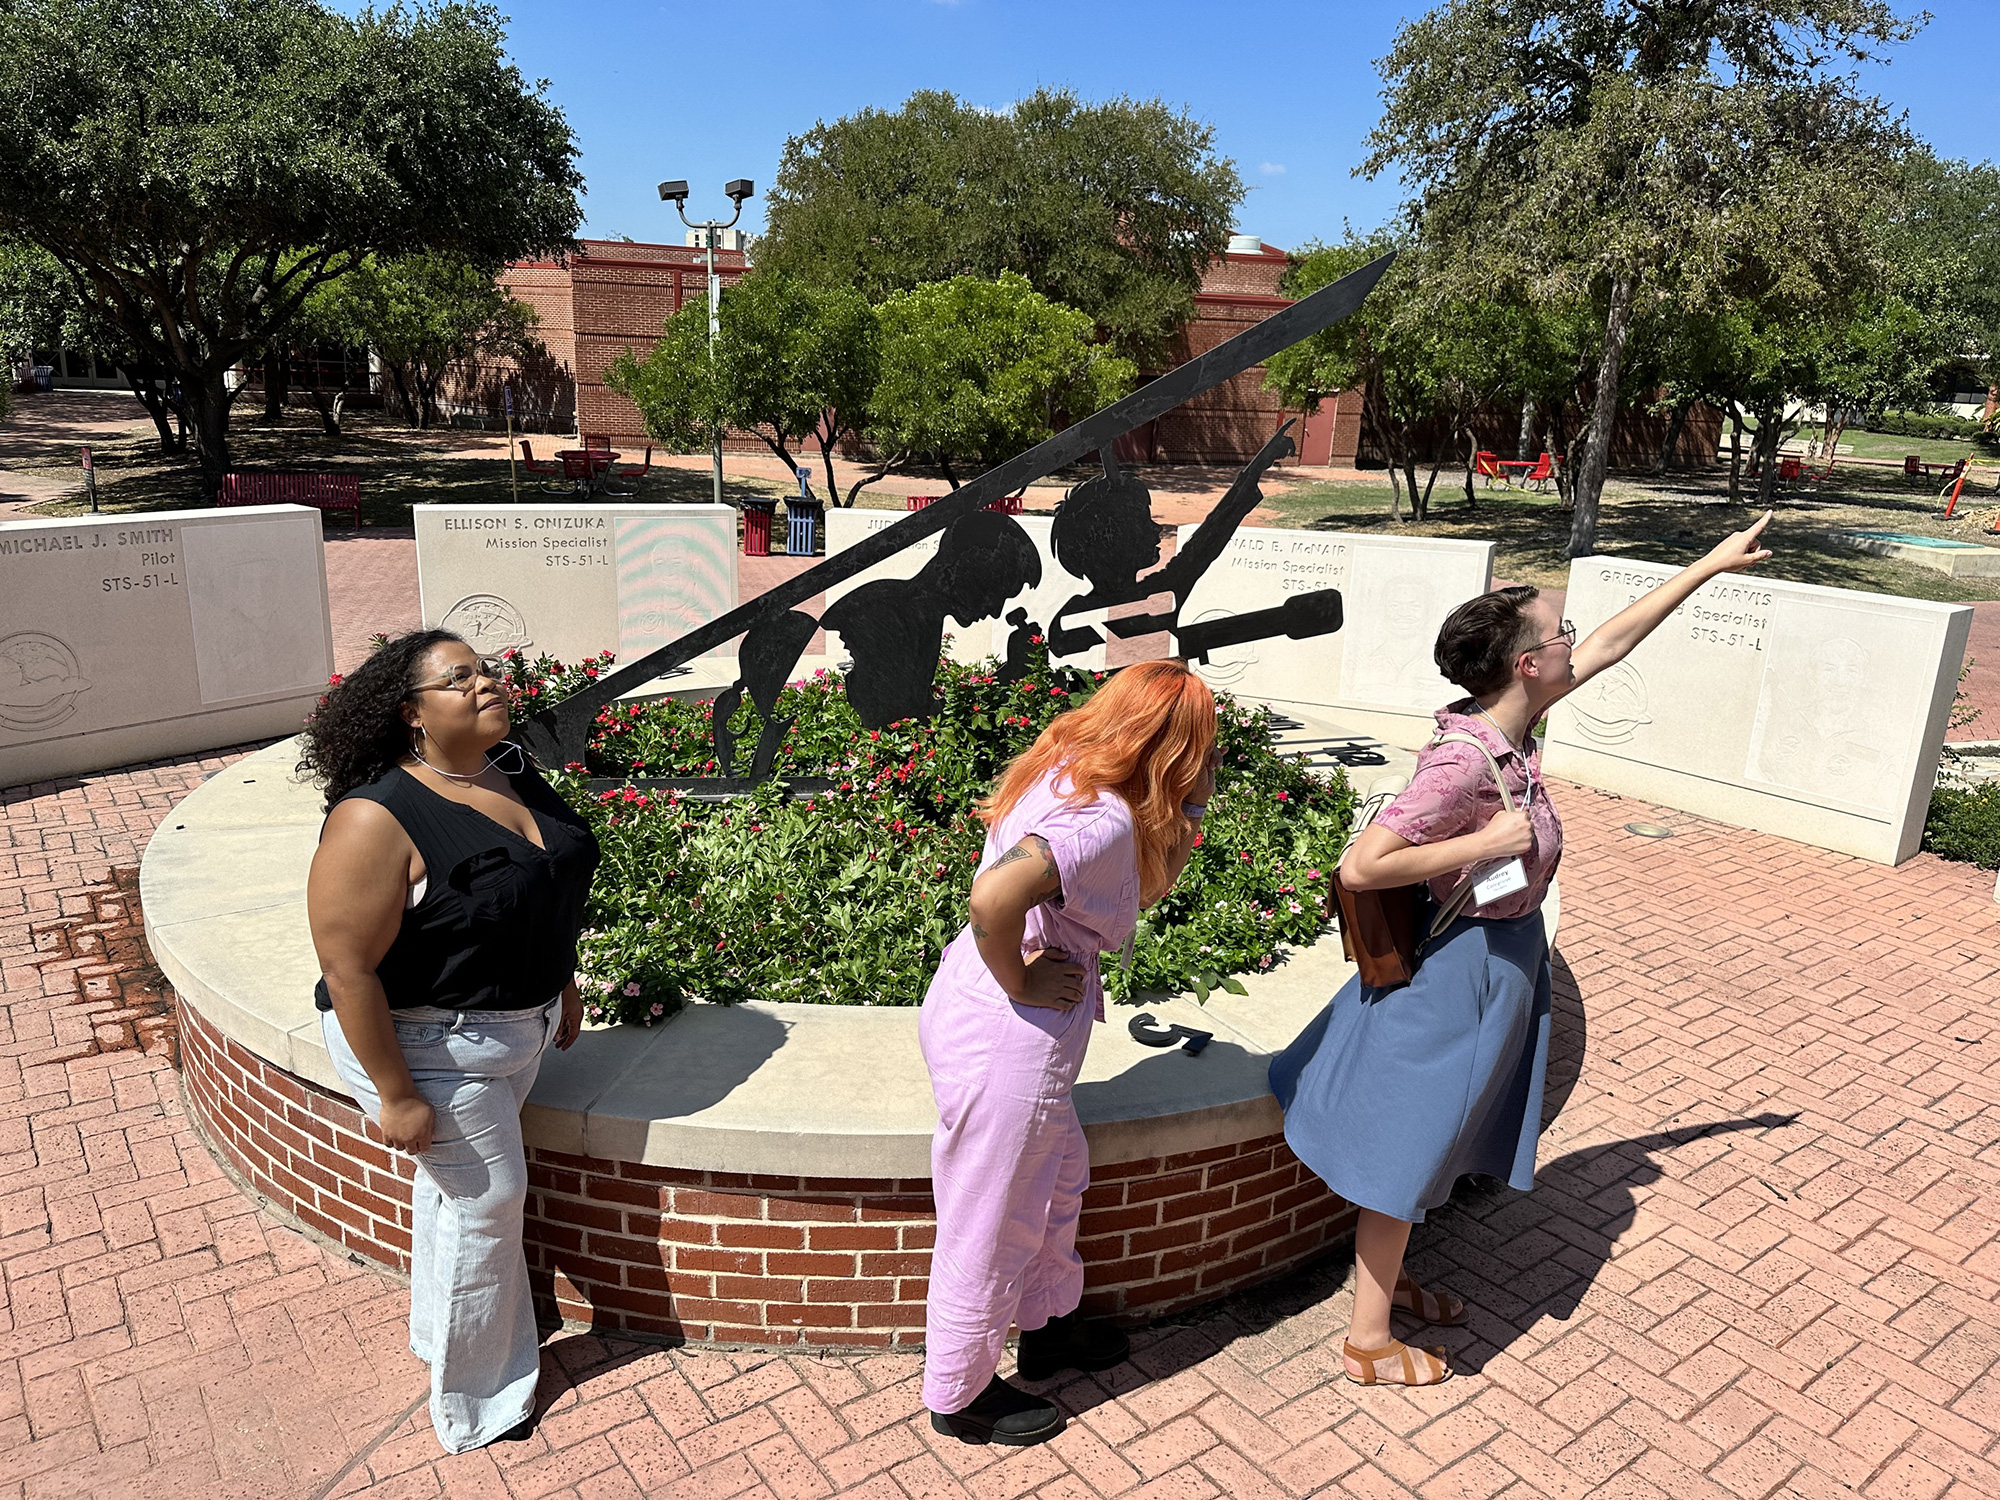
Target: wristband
x=1194, y=809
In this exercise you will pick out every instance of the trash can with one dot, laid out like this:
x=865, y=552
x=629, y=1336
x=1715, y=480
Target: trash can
x=757, y=516
x=45, y=377
x=802, y=526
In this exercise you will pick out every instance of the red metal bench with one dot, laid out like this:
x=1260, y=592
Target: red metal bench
x=336, y=492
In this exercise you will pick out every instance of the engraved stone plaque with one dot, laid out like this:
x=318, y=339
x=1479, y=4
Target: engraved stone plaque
x=1811, y=712
x=132, y=638
x=1377, y=669
x=573, y=580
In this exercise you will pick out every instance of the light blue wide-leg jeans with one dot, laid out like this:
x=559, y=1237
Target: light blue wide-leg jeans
x=472, y=1319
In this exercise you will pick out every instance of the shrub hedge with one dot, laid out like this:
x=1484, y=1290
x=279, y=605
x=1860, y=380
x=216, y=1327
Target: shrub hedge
x=1964, y=823
x=848, y=898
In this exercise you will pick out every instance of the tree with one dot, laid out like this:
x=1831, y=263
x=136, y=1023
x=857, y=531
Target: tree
x=1114, y=208
x=791, y=361
x=1620, y=150
x=198, y=167
x=1425, y=359
x=1953, y=207
x=41, y=308
x=976, y=371
x=427, y=316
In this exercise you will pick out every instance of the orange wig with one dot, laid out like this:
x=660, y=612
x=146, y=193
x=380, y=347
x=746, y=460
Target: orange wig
x=1145, y=735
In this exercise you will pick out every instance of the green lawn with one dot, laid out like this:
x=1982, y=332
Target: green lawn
x=1674, y=520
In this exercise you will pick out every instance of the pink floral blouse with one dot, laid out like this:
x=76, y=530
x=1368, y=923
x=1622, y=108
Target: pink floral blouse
x=1453, y=793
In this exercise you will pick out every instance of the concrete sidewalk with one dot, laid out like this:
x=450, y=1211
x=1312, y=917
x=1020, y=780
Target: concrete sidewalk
x=1760, y=1260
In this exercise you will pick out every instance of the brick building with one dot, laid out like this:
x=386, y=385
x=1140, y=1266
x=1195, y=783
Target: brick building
x=614, y=295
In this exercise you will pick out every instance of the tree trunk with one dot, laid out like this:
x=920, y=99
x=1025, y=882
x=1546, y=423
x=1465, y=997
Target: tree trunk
x=1603, y=417
x=944, y=468
x=150, y=397
x=277, y=379
x=1419, y=504
x=1558, y=425
x=1770, y=432
x=1672, y=441
x=1524, y=448
x=1735, y=452
x=1471, y=463
x=207, y=402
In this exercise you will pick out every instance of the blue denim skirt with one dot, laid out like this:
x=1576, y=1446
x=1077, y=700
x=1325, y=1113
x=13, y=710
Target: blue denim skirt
x=1391, y=1096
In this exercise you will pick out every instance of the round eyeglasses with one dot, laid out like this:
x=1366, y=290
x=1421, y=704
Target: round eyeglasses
x=462, y=678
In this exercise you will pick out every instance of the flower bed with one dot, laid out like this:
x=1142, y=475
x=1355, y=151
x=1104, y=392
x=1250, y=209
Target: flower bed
x=868, y=883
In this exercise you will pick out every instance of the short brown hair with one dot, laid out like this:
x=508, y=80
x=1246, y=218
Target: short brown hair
x=1479, y=640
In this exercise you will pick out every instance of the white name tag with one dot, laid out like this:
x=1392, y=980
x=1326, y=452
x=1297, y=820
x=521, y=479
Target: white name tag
x=1502, y=877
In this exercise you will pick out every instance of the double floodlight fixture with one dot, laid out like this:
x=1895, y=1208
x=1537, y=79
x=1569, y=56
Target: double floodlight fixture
x=676, y=191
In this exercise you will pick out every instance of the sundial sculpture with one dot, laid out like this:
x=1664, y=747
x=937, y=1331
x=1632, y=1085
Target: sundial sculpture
x=894, y=628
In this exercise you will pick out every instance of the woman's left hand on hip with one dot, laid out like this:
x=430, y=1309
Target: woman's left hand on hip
x=572, y=1017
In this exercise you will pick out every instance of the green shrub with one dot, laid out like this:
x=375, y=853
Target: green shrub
x=1964, y=823
x=848, y=898
x=1923, y=424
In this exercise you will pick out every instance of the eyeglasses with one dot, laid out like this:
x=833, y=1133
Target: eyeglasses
x=1567, y=635
x=462, y=679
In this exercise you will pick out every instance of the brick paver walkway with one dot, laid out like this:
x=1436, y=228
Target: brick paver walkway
x=1761, y=1259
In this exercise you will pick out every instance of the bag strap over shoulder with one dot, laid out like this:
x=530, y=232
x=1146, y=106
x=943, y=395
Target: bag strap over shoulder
x=1452, y=905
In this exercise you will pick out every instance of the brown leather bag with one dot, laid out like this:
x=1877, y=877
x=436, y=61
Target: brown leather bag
x=1379, y=929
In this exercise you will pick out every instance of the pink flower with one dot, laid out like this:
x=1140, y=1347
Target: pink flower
x=1312, y=874
x=632, y=987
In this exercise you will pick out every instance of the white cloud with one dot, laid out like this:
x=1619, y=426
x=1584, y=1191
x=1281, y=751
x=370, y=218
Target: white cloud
x=1271, y=168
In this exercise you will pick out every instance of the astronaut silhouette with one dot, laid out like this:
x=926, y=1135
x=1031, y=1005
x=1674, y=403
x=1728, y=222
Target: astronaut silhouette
x=1104, y=532
x=893, y=628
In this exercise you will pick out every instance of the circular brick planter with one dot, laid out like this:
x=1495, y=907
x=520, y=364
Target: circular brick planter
x=751, y=1174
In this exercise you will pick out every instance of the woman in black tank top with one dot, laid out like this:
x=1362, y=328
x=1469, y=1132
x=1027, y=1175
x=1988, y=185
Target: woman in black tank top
x=446, y=900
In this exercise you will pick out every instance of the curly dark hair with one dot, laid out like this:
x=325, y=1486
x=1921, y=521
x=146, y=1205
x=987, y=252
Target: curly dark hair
x=357, y=733
x=1479, y=640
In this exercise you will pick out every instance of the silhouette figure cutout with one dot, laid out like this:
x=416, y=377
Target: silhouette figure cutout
x=1104, y=532
x=894, y=627
x=764, y=662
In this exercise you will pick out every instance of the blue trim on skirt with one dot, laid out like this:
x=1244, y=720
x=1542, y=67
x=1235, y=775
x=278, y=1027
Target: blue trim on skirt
x=1391, y=1096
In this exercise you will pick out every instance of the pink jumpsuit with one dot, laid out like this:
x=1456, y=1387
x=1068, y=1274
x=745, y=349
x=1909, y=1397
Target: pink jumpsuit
x=1009, y=1162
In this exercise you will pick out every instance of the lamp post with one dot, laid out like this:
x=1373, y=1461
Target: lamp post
x=676, y=193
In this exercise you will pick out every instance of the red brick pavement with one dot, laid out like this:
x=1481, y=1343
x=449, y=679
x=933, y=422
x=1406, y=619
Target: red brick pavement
x=1760, y=1260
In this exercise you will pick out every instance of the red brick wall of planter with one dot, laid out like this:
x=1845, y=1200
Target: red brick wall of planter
x=736, y=1258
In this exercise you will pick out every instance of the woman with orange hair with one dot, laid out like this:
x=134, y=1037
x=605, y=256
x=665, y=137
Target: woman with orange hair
x=1095, y=820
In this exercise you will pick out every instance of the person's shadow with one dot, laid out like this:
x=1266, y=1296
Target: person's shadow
x=1515, y=1258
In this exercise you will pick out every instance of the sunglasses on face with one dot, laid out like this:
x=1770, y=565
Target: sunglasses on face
x=463, y=678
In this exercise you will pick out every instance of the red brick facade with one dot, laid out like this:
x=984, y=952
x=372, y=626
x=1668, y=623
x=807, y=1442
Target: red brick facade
x=734, y=1258
x=613, y=296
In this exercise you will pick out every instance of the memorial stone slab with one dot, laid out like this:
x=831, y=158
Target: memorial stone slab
x=1377, y=669
x=982, y=638
x=1814, y=713
x=571, y=580
x=130, y=638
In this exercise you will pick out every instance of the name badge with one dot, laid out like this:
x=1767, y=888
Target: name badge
x=1500, y=877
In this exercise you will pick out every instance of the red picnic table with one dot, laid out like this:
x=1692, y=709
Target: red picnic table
x=586, y=468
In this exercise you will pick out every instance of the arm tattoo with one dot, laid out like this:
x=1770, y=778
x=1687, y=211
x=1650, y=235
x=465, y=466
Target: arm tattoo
x=1031, y=845
x=978, y=933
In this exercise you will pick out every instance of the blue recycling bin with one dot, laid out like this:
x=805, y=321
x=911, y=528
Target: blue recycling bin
x=802, y=524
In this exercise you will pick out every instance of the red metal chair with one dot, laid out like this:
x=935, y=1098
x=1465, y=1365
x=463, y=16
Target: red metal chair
x=579, y=468
x=1538, y=478
x=548, y=471
x=1788, y=469
x=633, y=472
x=1487, y=466
x=600, y=441
x=1913, y=466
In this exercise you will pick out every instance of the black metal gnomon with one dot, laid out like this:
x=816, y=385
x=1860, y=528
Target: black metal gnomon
x=894, y=628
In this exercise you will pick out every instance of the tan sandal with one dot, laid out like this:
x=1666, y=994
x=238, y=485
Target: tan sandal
x=1436, y=1371
x=1435, y=1308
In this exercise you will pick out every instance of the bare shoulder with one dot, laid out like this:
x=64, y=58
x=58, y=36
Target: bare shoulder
x=358, y=829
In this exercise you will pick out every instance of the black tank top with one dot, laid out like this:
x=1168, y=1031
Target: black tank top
x=498, y=923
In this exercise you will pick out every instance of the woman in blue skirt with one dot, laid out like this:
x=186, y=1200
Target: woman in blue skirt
x=1392, y=1095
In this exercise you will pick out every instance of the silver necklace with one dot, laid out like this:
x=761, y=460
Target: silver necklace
x=492, y=764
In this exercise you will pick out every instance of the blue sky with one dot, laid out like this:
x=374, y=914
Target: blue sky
x=710, y=92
